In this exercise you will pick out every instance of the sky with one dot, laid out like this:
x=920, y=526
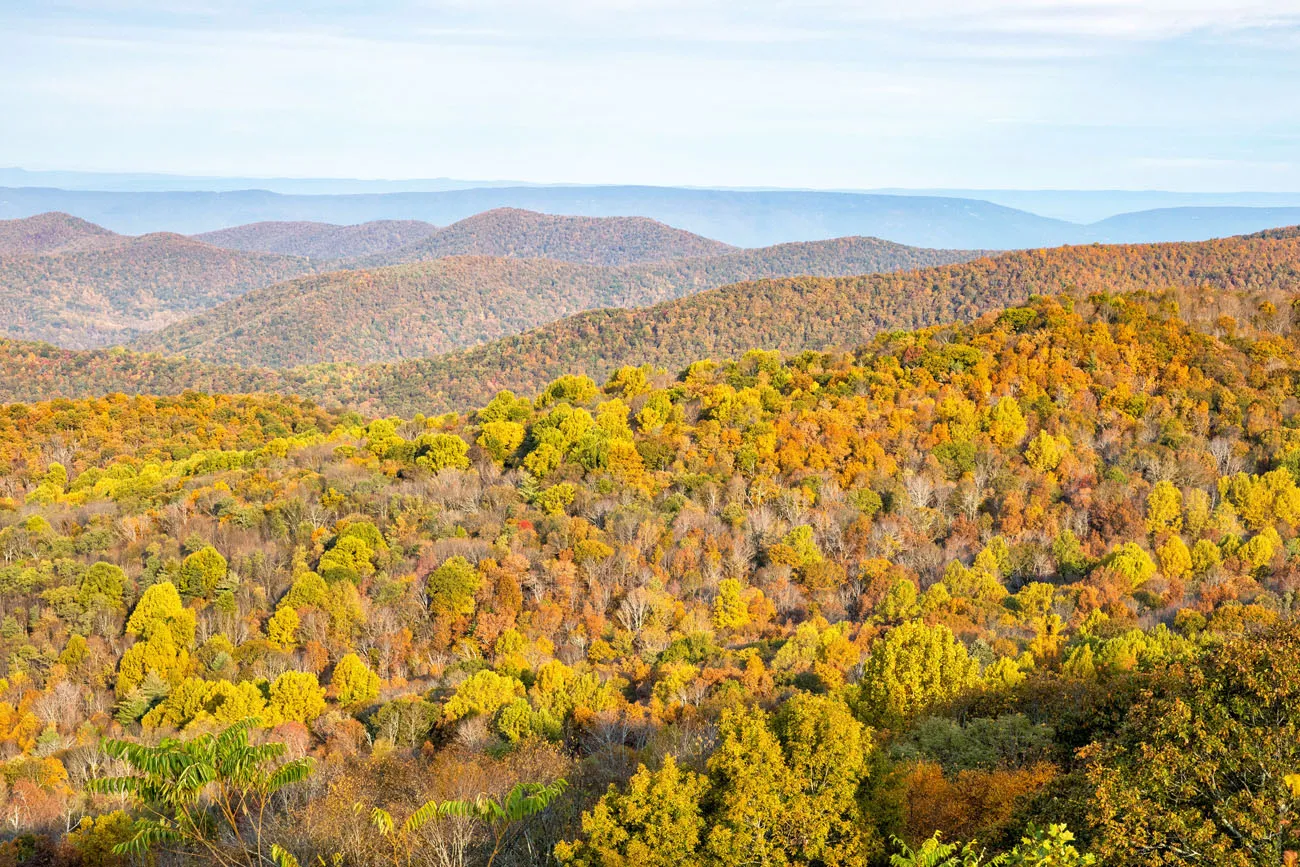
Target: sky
x=1023, y=94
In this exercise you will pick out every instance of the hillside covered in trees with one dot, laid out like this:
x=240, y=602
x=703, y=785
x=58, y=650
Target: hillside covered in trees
x=521, y=234
x=434, y=307
x=52, y=232
x=320, y=240
x=1019, y=588
x=74, y=284
x=791, y=315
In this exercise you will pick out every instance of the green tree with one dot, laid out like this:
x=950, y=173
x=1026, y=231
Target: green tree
x=910, y=669
x=160, y=606
x=1050, y=847
x=202, y=571
x=103, y=586
x=1196, y=774
x=1053, y=847
x=205, y=799
x=935, y=853
x=451, y=588
x=442, y=451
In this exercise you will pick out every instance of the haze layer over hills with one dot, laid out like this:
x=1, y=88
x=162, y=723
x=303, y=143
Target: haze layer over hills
x=746, y=218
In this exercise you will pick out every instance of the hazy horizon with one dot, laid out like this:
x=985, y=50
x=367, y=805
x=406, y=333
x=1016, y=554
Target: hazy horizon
x=1179, y=95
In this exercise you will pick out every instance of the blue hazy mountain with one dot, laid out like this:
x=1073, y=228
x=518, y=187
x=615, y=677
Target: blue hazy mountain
x=746, y=218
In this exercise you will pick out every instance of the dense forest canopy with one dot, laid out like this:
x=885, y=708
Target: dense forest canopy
x=437, y=306
x=1017, y=589
x=97, y=291
x=225, y=297
x=521, y=234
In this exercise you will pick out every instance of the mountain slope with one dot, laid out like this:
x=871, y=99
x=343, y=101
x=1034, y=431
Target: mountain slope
x=523, y=234
x=793, y=314
x=814, y=313
x=320, y=240
x=95, y=297
x=50, y=232
x=433, y=307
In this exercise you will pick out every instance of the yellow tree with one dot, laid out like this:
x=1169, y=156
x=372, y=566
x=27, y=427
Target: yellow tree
x=912, y=668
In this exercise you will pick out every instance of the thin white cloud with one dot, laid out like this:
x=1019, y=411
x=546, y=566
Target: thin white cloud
x=832, y=94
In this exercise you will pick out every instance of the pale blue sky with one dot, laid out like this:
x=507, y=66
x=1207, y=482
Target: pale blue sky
x=1169, y=94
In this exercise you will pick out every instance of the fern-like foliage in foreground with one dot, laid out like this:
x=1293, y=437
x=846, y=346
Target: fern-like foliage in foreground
x=206, y=797
x=500, y=816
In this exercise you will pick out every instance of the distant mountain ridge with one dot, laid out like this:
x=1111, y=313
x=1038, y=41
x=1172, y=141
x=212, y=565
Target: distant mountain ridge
x=448, y=303
x=744, y=218
x=740, y=218
x=1202, y=223
x=1076, y=206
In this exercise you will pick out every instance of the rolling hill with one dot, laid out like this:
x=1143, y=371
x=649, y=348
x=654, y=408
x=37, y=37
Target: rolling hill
x=52, y=232
x=86, y=295
x=790, y=314
x=320, y=240
x=520, y=234
x=429, y=308
x=506, y=232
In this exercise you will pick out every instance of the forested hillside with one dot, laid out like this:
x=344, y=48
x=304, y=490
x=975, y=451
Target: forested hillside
x=1026, y=581
x=94, y=294
x=320, y=240
x=807, y=313
x=794, y=314
x=529, y=235
x=435, y=307
x=47, y=233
